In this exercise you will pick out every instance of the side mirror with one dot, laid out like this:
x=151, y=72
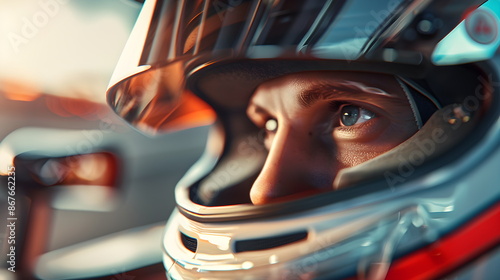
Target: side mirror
x=46, y=173
x=87, y=182
x=69, y=180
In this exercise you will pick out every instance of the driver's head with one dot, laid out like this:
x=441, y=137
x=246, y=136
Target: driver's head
x=337, y=129
x=317, y=123
x=327, y=99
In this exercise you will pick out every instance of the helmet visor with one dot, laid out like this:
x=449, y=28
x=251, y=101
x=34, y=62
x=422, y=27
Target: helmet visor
x=174, y=39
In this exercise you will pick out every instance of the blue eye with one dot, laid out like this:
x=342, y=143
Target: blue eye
x=351, y=115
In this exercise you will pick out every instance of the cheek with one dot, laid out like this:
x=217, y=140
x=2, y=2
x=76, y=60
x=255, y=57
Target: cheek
x=352, y=154
x=355, y=145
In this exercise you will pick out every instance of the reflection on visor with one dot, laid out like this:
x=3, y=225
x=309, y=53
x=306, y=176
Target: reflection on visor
x=359, y=18
x=180, y=37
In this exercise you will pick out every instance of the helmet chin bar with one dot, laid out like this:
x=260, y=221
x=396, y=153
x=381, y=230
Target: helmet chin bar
x=326, y=245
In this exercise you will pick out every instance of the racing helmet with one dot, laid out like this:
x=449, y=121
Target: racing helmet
x=425, y=209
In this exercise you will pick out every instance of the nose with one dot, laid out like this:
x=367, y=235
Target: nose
x=295, y=167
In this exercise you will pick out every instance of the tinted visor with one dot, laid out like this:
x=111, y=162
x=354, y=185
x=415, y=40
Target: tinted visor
x=174, y=39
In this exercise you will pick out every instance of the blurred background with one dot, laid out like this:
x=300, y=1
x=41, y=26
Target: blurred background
x=92, y=194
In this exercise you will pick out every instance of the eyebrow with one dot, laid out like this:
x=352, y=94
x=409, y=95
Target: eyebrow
x=329, y=91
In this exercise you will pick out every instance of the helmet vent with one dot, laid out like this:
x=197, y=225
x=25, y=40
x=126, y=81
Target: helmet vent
x=268, y=242
x=189, y=242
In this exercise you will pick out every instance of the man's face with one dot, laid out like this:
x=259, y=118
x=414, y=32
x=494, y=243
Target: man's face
x=318, y=123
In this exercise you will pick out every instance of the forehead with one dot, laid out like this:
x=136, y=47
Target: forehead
x=308, y=87
x=305, y=80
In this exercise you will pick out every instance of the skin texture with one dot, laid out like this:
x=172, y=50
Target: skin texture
x=307, y=139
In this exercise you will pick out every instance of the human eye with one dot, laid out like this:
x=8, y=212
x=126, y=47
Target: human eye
x=351, y=115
